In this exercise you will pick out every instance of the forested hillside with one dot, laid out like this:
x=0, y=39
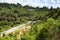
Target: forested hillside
x=47, y=26
x=12, y=14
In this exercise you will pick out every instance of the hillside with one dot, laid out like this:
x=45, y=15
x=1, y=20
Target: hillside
x=47, y=26
x=12, y=14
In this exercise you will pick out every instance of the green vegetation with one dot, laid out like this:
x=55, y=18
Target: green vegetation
x=47, y=26
x=48, y=30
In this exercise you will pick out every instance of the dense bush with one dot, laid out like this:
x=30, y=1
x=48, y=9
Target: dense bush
x=48, y=30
